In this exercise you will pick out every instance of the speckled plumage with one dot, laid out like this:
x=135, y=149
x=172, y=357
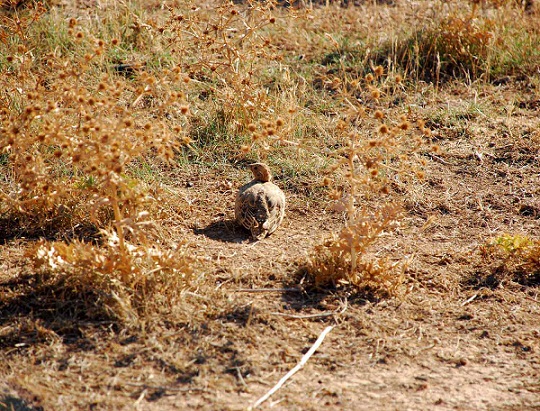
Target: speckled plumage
x=260, y=204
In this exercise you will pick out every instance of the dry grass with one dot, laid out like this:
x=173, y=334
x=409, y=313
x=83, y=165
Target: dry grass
x=404, y=135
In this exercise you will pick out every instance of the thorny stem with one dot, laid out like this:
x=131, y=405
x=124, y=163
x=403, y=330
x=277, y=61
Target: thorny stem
x=350, y=205
x=118, y=222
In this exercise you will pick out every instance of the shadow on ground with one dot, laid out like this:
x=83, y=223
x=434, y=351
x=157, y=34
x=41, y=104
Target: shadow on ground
x=10, y=403
x=35, y=309
x=224, y=230
x=314, y=298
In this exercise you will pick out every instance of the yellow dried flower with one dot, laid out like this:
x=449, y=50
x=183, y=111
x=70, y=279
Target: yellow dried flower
x=341, y=125
x=335, y=194
x=405, y=125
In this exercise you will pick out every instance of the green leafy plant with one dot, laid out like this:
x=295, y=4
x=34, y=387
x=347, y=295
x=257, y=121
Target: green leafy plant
x=513, y=258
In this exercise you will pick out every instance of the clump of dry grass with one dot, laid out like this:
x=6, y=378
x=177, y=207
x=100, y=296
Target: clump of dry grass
x=469, y=43
x=345, y=259
x=113, y=283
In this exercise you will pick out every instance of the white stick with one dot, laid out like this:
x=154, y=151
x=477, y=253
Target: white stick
x=468, y=300
x=302, y=362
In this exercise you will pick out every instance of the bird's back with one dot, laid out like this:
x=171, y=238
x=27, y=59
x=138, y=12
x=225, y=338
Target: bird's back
x=260, y=208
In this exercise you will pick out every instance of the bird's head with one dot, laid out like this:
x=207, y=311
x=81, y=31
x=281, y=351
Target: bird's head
x=261, y=172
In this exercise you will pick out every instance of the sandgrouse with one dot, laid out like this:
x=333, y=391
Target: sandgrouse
x=260, y=204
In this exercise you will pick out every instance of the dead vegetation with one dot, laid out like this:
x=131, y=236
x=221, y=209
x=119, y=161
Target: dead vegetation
x=404, y=136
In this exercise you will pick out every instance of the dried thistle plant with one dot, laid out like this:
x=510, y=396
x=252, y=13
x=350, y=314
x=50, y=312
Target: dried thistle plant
x=69, y=139
x=229, y=52
x=73, y=139
x=367, y=164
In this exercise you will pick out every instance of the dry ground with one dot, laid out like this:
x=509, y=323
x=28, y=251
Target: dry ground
x=457, y=340
x=448, y=344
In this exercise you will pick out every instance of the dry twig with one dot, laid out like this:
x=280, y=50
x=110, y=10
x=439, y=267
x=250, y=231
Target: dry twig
x=298, y=366
x=468, y=300
x=268, y=290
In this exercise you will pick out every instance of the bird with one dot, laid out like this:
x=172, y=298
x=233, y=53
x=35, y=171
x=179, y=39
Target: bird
x=260, y=204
